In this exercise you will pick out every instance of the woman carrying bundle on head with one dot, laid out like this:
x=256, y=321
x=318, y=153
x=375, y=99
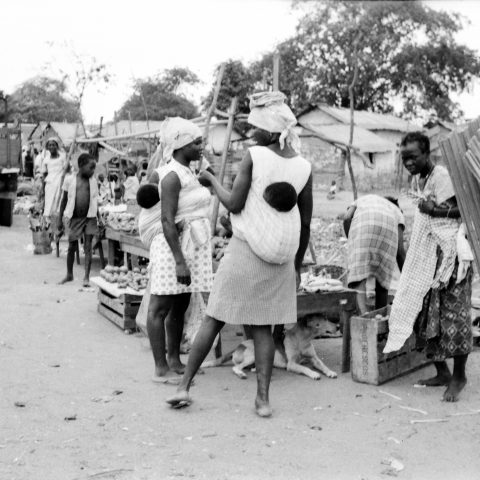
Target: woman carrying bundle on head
x=271, y=209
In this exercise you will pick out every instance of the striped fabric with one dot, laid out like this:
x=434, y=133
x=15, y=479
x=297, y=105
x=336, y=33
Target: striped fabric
x=373, y=240
x=249, y=291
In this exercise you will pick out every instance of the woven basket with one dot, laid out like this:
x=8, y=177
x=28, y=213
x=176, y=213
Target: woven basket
x=42, y=242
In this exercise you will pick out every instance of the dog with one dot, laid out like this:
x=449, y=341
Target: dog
x=298, y=347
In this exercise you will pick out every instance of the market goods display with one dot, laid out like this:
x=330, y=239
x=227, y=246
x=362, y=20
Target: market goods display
x=136, y=279
x=320, y=283
x=117, y=218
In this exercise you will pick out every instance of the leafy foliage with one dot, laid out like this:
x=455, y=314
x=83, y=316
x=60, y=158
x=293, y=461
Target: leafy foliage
x=159, y=97
x=238, y=81
x=407, y=52
x=42, y=98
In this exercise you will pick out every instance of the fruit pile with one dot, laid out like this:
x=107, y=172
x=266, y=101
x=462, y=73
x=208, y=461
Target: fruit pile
x=122, y=221
x=136, y=279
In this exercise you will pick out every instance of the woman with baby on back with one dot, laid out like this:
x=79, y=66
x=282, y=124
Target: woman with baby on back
x=271, y=207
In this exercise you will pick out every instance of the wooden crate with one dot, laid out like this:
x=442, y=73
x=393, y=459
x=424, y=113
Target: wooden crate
x=369, y=363
x=120, y=310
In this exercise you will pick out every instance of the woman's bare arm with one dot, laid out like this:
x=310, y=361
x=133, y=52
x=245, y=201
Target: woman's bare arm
x=169, y=205
x=347, y=221
x=401, y=254
x=305, y=205
x=233, y=201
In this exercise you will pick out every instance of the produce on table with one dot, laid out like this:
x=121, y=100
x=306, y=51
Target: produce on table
x=136, y=279
x=381, y=317
x=118, y=220
x=315, y=283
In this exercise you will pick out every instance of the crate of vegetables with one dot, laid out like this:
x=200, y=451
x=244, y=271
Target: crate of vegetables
x=369, y=334
x=120, y=294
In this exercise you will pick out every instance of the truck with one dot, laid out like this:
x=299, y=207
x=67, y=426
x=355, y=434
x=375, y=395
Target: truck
x=10, y=164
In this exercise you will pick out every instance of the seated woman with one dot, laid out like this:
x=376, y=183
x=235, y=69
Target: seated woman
x=180, y=263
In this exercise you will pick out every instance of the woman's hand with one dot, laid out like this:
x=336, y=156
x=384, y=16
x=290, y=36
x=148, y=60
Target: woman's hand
x=298, y=278
x=183, y=274
x=205, y=178
x=426, y=206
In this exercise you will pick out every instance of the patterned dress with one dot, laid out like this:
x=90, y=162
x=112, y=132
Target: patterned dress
x=192, y=213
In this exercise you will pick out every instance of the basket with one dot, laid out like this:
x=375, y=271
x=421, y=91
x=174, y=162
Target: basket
x=42, y=241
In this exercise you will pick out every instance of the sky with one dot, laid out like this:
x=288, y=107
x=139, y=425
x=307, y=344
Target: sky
x=140, y=38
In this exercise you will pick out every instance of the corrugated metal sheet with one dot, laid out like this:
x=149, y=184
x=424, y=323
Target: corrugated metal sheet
x=367, y=120
x=124, y=127
x=339, y=134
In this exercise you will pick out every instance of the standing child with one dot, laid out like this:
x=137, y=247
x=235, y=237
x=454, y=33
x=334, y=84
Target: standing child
x=131, y=187
x=80, y=207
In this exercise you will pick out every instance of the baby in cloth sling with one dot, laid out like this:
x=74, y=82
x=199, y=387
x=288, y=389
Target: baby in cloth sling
x=273, y=212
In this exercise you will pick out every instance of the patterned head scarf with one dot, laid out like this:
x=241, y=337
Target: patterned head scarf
x=175, y=133
x=269, y=112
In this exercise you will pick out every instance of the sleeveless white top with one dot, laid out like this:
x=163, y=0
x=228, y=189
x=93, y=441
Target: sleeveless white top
x=274, y=236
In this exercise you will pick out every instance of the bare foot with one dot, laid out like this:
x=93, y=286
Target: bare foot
x=161, y=371
x=86, y=282
x=437, y=381
x=263, y=409
x=68, y=278
x=180, y=399
x=176, y=365
x=454, y=388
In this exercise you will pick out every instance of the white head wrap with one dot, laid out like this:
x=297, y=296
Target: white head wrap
x=269, y=112
x=175, y=133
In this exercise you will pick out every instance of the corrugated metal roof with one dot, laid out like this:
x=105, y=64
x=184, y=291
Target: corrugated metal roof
x=368, y=120
x=124, y=127
x=339, y=134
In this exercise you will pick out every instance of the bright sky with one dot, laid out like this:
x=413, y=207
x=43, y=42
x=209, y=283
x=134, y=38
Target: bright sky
x=140, y=38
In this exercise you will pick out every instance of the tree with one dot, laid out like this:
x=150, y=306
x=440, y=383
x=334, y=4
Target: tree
x=238, y=81
x=156, y=98
x=42, y=98
x=407, y=51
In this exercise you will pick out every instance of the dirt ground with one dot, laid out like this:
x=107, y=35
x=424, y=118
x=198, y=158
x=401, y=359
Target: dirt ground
x=59, y=418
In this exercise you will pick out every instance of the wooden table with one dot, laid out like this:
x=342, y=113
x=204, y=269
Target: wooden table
x=129, y=244
x=342, y=303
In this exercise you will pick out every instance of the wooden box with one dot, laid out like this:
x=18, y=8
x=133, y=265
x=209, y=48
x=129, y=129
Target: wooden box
x=117, y=305
x=369, y=364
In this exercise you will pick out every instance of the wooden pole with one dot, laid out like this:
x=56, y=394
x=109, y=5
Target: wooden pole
x=223, y=164
x=351, y=94
x=212, y=108
x=64, y=173
x=276, y=71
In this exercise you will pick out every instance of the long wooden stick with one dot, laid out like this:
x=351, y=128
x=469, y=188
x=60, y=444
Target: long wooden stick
x=351, y=93
x=276, y=71
x=58, y=194
x=223, y=164
x=211, y=110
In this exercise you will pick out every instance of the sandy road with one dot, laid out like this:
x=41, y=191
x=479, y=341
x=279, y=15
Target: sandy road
x=62, y=360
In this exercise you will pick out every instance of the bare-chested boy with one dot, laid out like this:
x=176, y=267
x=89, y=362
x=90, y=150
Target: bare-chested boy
x=80, y=207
